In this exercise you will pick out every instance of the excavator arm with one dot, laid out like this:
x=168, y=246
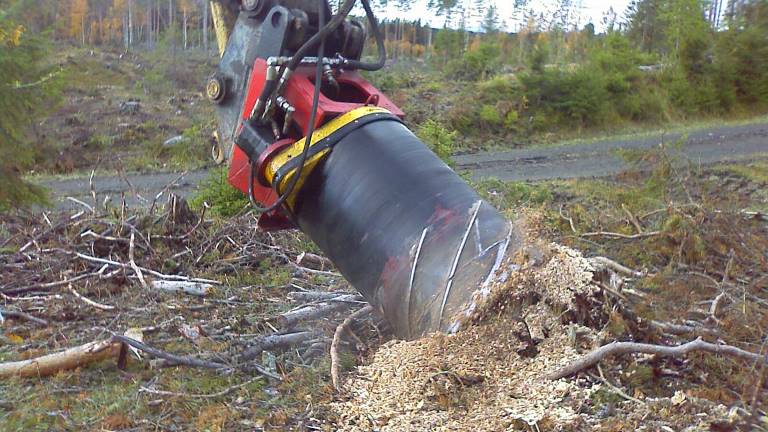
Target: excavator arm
x=316, y=147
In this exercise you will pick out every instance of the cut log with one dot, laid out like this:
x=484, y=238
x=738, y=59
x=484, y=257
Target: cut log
x=192, y=288
x=313, y=261
x=66, y=360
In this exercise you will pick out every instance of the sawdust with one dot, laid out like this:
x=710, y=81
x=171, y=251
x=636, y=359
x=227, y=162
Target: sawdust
x=491, y=375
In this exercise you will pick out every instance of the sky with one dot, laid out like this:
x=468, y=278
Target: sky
x=584, y=11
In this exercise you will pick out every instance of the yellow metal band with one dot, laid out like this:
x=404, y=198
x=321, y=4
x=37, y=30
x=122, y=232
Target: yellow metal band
x=296, y=149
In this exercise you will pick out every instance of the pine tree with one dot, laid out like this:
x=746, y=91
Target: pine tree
x=490, y=24
x=22, y=86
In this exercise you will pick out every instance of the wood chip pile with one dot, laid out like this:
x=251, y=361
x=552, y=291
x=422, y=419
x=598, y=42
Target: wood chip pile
x=491, y=376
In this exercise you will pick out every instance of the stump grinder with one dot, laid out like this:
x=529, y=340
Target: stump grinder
x=316, y=147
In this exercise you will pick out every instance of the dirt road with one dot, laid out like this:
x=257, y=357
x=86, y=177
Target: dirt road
x=596, y=159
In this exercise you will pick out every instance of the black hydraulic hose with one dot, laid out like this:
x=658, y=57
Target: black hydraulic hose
x=356, y=64
x=320, y=36
x=308, y=140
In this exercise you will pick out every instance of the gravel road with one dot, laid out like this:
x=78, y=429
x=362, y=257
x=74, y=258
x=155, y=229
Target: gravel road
x=595, y=159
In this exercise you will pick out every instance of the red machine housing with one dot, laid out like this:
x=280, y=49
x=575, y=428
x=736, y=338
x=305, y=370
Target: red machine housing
x=354, y=92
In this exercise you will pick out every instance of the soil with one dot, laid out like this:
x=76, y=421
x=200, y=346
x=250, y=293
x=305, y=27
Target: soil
x=599, y=159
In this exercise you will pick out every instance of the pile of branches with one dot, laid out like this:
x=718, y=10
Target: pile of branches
x=112, y=279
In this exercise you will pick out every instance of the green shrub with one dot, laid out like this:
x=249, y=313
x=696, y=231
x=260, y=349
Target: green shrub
x=489, y=114
x=577, y=98
x=439, y=139
x=477, y=64
x=224, y=200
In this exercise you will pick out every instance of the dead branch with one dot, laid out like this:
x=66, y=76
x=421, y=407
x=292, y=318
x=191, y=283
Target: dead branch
x=128, y=266
x=600, y=262
x=182, y=360
x=311, y=296
x=88, y=301
x=22, y=316
x=44, y=286
x=755, y=215
x=569, y=219
x=271, y=342
x=192, y=288
x=632, y=219
x=344, y=326
x=620, y=235
x=621, y=348
x=713, y=308
x=681, y=329
x=218, y=394
x=66, y=360
x=314, y=311
x=164, y=190
x=313, y=261
x=614, y=388
x=136, y=269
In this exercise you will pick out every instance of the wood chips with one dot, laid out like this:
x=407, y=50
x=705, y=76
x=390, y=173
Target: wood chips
x=491, y=375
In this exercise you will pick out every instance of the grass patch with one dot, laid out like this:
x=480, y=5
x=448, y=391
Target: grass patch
x=223, y=199
x=509, y=195
x=756, y=172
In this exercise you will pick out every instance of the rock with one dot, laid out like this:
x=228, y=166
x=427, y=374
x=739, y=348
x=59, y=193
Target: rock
x=173, y=141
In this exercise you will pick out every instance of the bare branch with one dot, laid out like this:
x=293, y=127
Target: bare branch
x=621, y=236
x=343, y=327
x=136, y=269
x=621, y=348
x=88, y=301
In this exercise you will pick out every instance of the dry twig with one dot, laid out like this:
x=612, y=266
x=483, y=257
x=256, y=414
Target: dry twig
x=620, y=348
x=88, y=301
x=136, y=269
x=620, y=235
x=344, y=326
x=218, y=394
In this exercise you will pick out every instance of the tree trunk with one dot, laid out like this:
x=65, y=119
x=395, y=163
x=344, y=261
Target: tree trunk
x=184, y=23
x=205, y=26
x=170, y=13
x=149, y=27
x=130, y=23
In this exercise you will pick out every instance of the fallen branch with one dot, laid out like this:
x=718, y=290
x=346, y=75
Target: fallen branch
x=620, y=235
x=224, y=392
x=632, y=219
x=603, y=262
x=313, y=261
x=621, y=348
x=128, y=266
x=182, y=360
x=21, y=315
x=343, y=327
x=192, y=288
x=136, y=269
x=44, y=286
x=66, y=360
x=310, y=312
x=270, y=342
x=681, y=329
x=89, y=301
x=311, y=296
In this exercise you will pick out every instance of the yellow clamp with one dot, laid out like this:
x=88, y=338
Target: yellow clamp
x=295, y=150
